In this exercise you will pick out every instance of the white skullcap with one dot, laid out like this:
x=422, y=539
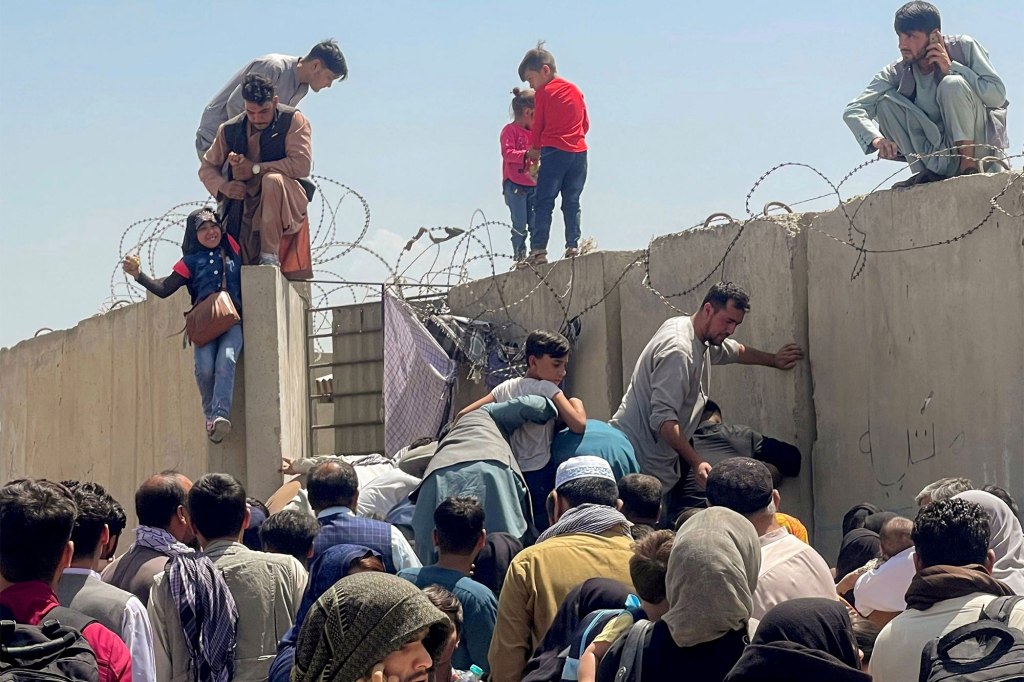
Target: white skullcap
x=585, y=466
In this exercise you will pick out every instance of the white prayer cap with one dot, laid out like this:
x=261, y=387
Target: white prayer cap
x=586, y=466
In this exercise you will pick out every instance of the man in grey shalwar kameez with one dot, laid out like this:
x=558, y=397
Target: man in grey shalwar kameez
x=943, y=98
x=292, y=78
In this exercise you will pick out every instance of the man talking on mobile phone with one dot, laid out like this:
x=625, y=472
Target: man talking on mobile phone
x=941, y=108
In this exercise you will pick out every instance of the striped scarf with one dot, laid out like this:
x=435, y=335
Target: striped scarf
x=160, y=540
x=209, y=618
x=596, y=519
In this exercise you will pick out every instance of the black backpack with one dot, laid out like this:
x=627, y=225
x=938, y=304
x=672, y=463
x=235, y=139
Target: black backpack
x=53, y=650
x=987, y=650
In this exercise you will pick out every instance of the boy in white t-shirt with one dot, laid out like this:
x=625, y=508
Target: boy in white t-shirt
x=547, y=355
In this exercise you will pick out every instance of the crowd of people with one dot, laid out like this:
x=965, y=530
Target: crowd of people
x=528, y=541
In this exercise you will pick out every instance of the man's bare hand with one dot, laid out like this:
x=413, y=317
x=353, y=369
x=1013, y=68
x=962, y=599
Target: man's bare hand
x=938, y=57
x=234, y=189
x=241, y=167
x=886, y=148
x=701, y=474
x=377, y=675
x=788, y=356
x=288, y=466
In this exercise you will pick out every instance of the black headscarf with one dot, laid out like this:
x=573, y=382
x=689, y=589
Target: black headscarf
x=859, y=546
x=492, y=563
x=190, y=240
x=802, y=639
x=855, y=517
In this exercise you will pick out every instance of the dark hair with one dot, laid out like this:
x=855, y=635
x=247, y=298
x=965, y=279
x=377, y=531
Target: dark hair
x=332, y=483
x=649, y=564
x=896, y=535
x=522, y=99
x=684, y=516
x=329, y=54
x=36, y=520
x=865, y=632
x=157, y=500
x=951, y=532
x=256, y=89
x=94, y=511
x=589, y=490
x=289, y=532
x=216, y=504
x=258, y=504
x=535, y=59
x=1003, y=495
x=446, y=602
x=541, y=342
x=459, y=522
x=641, y=497
x=917, y=16
x=118, y=520
x=720, y=294
x=367, y=563
x=710, y=408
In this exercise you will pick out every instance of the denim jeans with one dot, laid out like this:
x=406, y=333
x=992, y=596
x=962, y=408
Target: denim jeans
x=215, y=372
x=519, y=199
x=564, y=172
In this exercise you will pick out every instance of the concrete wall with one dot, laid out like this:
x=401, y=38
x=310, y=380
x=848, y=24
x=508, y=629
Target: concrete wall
x=918, y=363
x=517, y=303
x=111, y=400
x=114, y=399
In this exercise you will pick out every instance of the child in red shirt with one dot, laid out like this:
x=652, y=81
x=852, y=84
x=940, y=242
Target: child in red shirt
x=517, y=184
x=560, y=125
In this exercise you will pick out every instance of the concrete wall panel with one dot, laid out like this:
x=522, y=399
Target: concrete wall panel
x=918, y=363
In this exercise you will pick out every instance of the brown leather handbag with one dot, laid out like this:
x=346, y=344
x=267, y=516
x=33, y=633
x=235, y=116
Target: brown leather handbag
x=212, y=316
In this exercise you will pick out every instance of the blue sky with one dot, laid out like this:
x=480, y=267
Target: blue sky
x=689, y=105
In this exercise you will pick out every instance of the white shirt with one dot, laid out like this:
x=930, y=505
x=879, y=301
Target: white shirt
x=381, y=494
x=531, y=443
x=897, y=653
x=136, y=632
x=884, y=588
x=401, y=553
x=790, y=569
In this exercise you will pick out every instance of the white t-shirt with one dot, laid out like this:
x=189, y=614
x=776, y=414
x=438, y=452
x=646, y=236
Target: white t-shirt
x=790, y=569
x=531, y=443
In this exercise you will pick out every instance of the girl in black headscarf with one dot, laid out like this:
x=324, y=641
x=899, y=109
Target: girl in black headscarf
x=854, y=518
x=802, y=639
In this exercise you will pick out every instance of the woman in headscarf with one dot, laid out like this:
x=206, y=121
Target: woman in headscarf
x=1006, y=538
x=494, y=559
x=711, y=578
x=331, y=566
x=802, y=639
x=370, y=625
x=854, y=518
x=859, y=547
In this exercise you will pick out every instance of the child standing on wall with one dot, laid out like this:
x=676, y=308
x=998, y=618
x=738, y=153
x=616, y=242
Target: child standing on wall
x=209, y=257
x=517, y=184
x=547, y=355
x=560, y=126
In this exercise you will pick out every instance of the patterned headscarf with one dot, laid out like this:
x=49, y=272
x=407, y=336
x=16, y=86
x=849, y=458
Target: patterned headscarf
x=359, y=621
x=209, y=617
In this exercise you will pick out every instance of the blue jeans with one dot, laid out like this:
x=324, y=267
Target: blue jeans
x=519, y=199
x=215, y=372
x=564, y=172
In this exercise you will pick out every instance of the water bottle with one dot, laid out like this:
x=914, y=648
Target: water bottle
x=474, y=674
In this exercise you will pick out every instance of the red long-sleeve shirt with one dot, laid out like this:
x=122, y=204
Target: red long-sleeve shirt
x=560, y=117
x=31, y=601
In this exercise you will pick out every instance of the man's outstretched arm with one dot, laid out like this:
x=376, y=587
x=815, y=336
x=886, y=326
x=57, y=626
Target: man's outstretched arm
x=785, y=358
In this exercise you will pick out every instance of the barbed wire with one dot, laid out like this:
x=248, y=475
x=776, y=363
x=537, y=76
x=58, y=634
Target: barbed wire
x=439, y=258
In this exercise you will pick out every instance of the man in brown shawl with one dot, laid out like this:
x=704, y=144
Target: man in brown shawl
x=257, y=169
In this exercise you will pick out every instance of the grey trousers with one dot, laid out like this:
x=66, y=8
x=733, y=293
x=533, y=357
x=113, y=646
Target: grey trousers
x=963, y=118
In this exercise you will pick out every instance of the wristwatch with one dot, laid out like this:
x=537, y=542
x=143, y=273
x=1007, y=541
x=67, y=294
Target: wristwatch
x=256, y=169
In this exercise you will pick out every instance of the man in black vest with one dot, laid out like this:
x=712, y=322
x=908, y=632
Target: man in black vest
x=942, y=108
x=257, y=169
